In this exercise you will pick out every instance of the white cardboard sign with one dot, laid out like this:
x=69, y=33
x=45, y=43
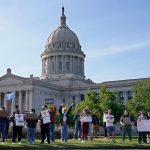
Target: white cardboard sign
x=46, y=117
x=143, y=125
x=86, y=118
x=19, y=119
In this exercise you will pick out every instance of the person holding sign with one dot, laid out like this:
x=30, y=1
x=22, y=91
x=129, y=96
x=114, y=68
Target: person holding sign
x=64, y=121
x=31, y=120
x=110, y=125
x=45, y=120
x=3, y=122
x=85, y=120
x=17, y=120
x=125, y=121
x=142, y=134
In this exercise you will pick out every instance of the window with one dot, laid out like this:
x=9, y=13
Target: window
x=73, y=98
x=121, y=95
x=60, y=65
x=49, y=101
x=63, y=100
x=82, y=97
x=67, y=66
x=129, y=93
x=53, y=66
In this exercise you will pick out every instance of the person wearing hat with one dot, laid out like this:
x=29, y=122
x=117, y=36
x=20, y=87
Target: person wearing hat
x=64, y=121
x=45, y=120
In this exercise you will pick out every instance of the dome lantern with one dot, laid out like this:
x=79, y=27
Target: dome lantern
x=63, y=18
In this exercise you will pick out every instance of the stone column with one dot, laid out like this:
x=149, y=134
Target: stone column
x=56, y=63
x=20, y=101
x=12, y=104
x=65, y=66
x=5, y=100
x=27, y=100
x=30, y=98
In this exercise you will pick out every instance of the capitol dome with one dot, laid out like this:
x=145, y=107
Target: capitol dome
x=63, y=37
x=62, y=56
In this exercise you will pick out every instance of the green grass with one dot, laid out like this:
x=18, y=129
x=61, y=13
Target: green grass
x=96, y=143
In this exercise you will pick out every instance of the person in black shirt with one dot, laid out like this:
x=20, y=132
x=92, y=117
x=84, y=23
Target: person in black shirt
x=31, y=126
x=45, y=120
x=77, y=132
x=17, y=130
x=95, y=124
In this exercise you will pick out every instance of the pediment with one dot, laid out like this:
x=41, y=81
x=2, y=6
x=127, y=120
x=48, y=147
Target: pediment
x=8, y=80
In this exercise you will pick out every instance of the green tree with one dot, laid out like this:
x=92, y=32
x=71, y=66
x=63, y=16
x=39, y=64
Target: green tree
x=141, y=98
x=110, y=100
x=91, y=100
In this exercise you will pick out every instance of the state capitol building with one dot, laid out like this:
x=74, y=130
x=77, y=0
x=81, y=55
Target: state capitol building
x=62, y=78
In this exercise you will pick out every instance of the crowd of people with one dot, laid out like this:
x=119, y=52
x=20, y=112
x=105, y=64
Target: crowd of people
x=86, y=124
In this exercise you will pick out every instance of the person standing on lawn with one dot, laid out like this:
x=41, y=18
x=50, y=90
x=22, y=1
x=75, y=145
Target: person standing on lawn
x=104, y=123
x=17, y=126
x=110, y=125
x=95, y=125
x=64, y=121
x=77, y=132
x=142, y=134
x=31, y=126
x=52, y=111
x=45, y=119
x=3, y=124
x=125, y=121
x=84, y=125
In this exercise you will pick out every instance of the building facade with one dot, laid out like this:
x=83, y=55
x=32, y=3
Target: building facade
x=62, y=79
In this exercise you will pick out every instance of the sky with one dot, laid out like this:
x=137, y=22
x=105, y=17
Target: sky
x=114, y=35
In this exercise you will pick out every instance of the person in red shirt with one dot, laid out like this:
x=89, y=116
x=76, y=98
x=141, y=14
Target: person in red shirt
x=52, y=111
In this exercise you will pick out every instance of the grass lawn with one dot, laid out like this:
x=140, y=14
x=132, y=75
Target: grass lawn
x=96, y=143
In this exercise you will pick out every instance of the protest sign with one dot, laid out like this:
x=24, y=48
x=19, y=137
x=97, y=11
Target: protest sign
x=143, y=125
x=19, y=119
x=46, y=116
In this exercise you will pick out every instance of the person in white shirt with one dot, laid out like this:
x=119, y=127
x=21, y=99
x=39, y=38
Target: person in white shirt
x=110, y=126
x=104, y=124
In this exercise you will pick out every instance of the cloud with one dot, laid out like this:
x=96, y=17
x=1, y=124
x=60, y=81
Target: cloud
x=112, y=50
